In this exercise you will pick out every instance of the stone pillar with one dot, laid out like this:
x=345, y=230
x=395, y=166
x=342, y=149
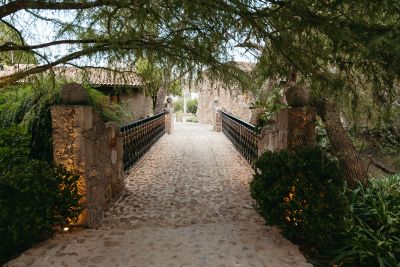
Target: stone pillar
x=115, y=172
x=169, y=122
x=170, y=105
x=216, y=116
x=83, y=143
x=291, y=128
x=217, y=119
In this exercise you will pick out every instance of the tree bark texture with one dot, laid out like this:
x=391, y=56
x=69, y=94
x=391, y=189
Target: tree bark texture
x=161, y=94
x=343, y=148
x=14, y=6
x=163, y=90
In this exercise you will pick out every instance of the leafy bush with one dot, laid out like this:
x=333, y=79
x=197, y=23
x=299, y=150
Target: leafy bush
x=373, y=235
x=29, y=105
x=34, y=196
x=178, y=105
x=101, y=103
x=192, y=106
x=192, y=119
x=302, y=192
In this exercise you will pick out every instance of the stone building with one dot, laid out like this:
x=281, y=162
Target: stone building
x=230, y=98
x=123, y=86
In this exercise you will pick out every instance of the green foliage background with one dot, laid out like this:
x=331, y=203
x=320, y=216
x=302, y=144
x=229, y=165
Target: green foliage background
x=34, y=196
x=302, y=192
x=28, y=105
x=192, y=106
x=15, y=57
x=178, y=105
x=359, y=227
x=101, y=103
x=372, y=237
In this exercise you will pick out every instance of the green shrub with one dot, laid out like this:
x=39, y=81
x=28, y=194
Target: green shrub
x=29, y=105
x=178, y=105
x=373, y=235
x=192, y=106
x=192, y=119
x=302, y=192
x=34, y=196
x=101, y=103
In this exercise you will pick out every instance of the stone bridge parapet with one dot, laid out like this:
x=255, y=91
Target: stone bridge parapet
x=82, y=142
x=290, y=128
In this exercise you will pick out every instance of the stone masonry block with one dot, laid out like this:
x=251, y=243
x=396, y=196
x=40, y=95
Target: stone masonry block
x=292, y=127
x=82, y=142
x=74, y=94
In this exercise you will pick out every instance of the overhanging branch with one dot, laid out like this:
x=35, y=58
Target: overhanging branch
x=12, y=78
x=10, y=46
x=15, y=6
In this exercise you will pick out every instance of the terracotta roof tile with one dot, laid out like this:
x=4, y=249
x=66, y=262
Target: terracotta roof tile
x=93, y=76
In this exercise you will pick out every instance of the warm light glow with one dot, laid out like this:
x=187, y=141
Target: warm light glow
x=66, y=229
x=293, y=215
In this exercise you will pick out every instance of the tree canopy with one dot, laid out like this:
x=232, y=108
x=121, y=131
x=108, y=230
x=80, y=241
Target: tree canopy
x=315, y=37
x=8, y=35
x=117, y=31
x=337, y=48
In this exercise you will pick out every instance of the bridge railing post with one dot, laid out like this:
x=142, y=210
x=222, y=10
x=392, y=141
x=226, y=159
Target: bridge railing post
x=217, y=119
x=291, y=128
x=217, y=116
x=169, y=116
x=169, y=121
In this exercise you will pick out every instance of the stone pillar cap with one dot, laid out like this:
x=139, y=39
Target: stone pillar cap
x=169, y=110
x=74, y=94
x=111, y=124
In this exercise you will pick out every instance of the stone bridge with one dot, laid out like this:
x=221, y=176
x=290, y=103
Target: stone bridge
x=186, y=203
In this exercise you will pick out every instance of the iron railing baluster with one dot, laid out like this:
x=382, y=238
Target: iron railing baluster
x=243, y=135
x=139, y=136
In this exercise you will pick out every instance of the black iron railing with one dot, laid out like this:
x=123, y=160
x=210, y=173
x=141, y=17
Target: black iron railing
x=139, y=136
x=242, y=134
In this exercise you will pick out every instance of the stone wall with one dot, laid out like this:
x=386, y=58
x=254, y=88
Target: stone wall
x=136, y=105
x=291, y=127
x=231, y=100
x=84, y=143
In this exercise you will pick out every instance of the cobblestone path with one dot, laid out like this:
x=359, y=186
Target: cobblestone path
x=186, y=204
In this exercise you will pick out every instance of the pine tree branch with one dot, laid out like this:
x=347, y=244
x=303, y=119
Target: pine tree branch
x=10, y=46
x=12, y=78
x=15, y=6
x=15, y=30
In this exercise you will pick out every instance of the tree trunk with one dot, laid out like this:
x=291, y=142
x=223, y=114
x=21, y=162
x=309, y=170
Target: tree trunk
x=343, y=148
x=161, y=94
x=154, y=103
x=163, y=90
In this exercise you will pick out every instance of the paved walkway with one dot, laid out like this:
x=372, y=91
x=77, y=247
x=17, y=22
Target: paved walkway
x=186, y=204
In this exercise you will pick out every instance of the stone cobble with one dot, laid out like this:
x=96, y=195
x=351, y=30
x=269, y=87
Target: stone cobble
x=186, y=204
x=199, y=178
